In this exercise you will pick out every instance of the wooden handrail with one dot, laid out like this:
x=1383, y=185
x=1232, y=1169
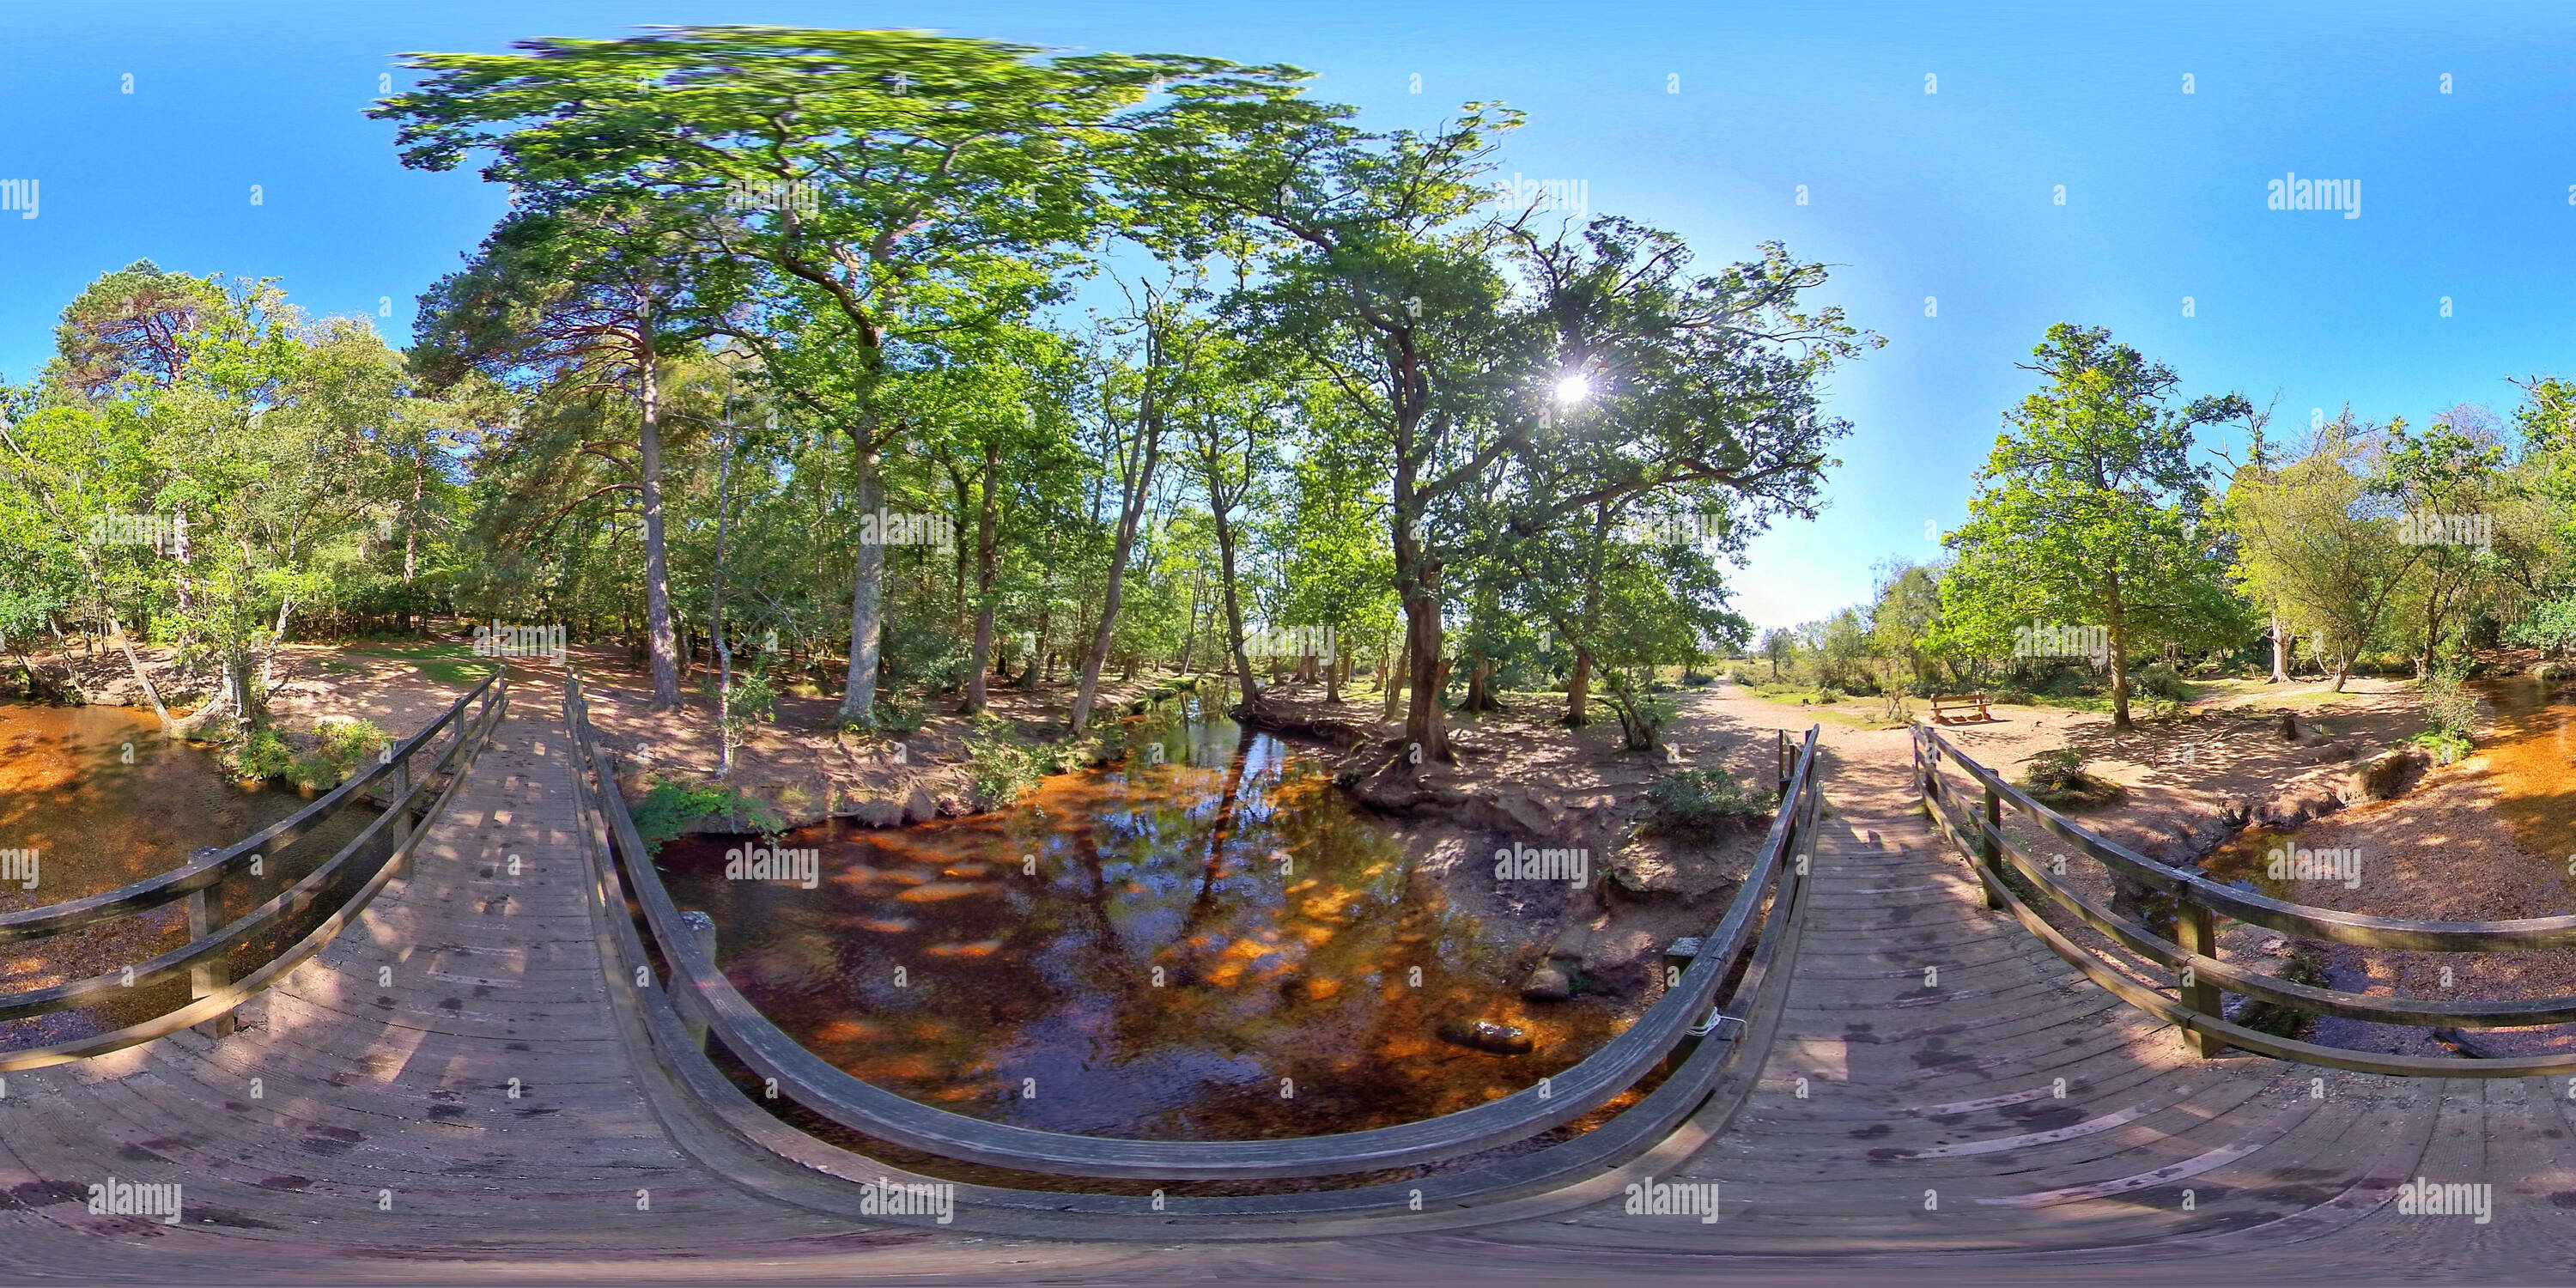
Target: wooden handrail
x=206, y=868
x=2274, y=914
x=203, y=956
x=704, y=996
x=2201, y=976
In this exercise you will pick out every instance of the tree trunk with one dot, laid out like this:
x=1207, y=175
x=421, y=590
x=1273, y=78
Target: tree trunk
x=2118, y=622
x=268, y=663
x=1425, y=724
x=1395, y=675
x=2432, y=627
x=867, y=598
x=657, y=562
x=1234, y=609
x=150, y=693
x=2280, y=651
x=716, y=621
x=1578, y=690
x=1136, y=489
x=987, y=521
x=1480, y=696
x=411, y=518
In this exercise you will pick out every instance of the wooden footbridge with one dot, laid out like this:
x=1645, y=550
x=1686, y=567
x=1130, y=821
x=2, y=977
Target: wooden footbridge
x=512, y=1059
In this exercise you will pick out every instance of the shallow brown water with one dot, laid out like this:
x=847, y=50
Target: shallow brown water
x=1287, y=1005
x=96, y=822
x=2532, y=757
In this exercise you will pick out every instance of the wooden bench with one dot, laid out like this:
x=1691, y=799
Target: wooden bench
x=1946, y=710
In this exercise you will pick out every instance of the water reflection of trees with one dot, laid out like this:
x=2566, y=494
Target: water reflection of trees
x=1148, y=865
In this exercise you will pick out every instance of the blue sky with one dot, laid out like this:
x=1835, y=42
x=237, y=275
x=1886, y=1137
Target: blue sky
x=2469, y=195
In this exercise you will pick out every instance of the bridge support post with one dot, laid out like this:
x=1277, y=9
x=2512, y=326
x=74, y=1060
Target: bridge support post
x=1781, y=742
x=2196, y=932
x=207, y=977
x=702, y=928
x=1990, y=852
x=405, y=824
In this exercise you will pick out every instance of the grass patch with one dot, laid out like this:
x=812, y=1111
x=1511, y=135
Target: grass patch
x=445, y=663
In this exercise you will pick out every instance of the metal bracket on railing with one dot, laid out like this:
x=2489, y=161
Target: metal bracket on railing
x=1715, y=1025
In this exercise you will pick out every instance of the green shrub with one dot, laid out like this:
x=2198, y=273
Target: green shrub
x=1740, y=676
x=2450, y=709
x=260, y=754
x=1695, y=802
x=1826, y=697
x=1002, y=769
x=340, y=748
x=670, y=807
x=2156, y=679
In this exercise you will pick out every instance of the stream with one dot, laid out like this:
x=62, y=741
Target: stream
x=1205, y=942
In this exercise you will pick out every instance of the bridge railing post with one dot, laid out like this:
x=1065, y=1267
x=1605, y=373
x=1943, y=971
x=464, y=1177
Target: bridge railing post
x=1990, y=851
x=2196, y=933
x=702, y=928
x=205, y=978
x=401, y=791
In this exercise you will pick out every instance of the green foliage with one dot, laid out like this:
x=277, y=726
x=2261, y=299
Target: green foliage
x=2451, y=711
x=2088, y=513
x=261, y=753
x=1002, y=769
x=2160, y=680
x=2316, y=546
x=671, y=807
x=1696, y=802
x=340, y=748
x=1641, y=715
